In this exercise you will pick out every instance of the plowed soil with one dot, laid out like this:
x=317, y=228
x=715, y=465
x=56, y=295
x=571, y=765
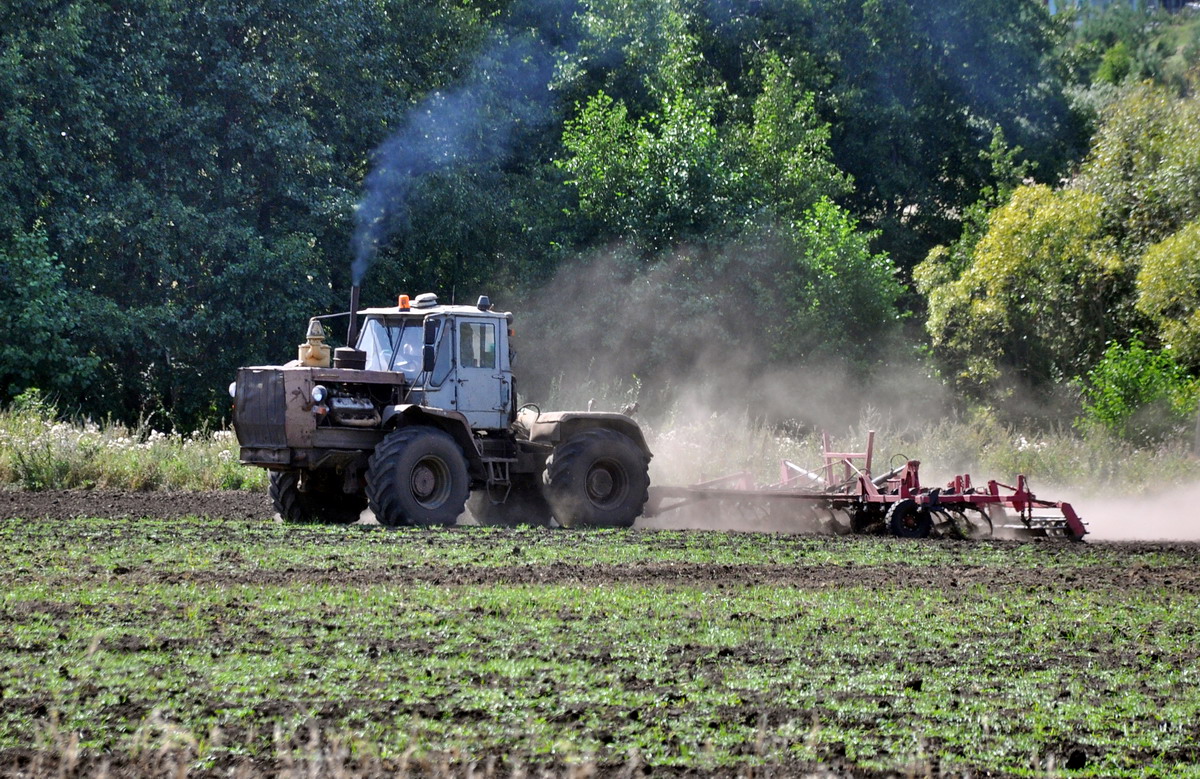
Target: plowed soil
x=870, y=674
x=68, y=504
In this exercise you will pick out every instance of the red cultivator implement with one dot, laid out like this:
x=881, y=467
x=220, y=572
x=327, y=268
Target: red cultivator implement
x=843, y=497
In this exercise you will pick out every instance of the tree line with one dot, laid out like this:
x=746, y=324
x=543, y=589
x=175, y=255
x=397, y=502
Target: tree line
x=1002, y=193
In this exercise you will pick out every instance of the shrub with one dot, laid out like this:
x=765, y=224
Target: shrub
x=38, y=452
x=1138, y=394
x=1115, y=65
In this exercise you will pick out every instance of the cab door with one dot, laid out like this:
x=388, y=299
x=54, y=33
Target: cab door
x=483, y=386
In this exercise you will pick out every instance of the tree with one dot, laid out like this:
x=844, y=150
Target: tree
x=1145, y=166
x=838, y=299
x=1168, y=286
x=909, y=91
x=42, y=349
x=676, y=175
x=195, y=165
x=917, y=89
x=1046, y=289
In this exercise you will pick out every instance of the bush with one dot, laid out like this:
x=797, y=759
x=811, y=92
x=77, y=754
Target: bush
x=1138, y=395
x=1116, y=64
x=40, y=452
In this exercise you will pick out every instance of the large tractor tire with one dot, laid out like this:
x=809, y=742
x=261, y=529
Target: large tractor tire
x=908, y=520
x=598, y=478
x=525, y=505
x=321, y=501
x=417, y=476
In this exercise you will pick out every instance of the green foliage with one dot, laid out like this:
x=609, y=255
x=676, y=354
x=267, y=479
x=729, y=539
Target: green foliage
x=1168, y=287
x=918, y=89
x=1115, y=65
x=194, y=166
x=42, y=347
x=945, y=263
x=1115, y=42
x=39, y=451
x=1095, y=34
x=1051, y=280
x=1035, y=302
x=909, y=92
x=839, y=296
x=788, y=166
x=658, y=180
x=674, y=175
x=762, y=187
x=1138, y=394
x=1145, y=166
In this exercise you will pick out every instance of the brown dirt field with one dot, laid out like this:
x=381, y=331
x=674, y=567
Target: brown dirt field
x=67, y=504
x=957, y=578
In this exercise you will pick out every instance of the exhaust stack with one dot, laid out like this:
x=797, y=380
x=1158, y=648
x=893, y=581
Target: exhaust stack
x=352, y=331
x=347, y=356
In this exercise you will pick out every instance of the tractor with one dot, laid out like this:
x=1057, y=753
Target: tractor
x=418, y=418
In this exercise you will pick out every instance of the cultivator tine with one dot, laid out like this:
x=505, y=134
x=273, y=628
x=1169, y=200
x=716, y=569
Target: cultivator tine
x=1045, y=520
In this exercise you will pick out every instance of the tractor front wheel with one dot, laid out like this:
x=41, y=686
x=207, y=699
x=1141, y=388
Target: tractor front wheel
x=417, y=476
x=319, y=500
x=598, y=478
x=908, y=520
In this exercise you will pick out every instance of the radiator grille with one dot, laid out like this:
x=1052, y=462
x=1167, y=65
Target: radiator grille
x=260, y=409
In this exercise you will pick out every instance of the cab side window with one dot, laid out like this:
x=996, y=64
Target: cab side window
x=477, y=345
x=441, y=368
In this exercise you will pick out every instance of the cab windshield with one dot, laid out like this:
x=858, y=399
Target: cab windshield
x=393, y=345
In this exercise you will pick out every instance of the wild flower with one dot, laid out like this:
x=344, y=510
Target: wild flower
x=1023, y=444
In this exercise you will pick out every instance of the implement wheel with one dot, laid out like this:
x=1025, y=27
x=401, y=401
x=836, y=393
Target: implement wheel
x=908, y=520
x=319, y=500
x=599, y=478
x=417, y=476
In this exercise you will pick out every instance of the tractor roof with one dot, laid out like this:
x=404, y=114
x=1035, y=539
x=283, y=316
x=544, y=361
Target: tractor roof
x=427, y=304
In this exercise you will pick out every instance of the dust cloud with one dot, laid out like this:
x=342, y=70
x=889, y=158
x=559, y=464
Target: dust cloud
x=1172, y=514
x=607, y=329
x=715, y=391
x=716, y=396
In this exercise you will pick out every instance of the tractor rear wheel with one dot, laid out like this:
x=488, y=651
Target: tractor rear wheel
x=321, y=499
x=524, y=505
x=417, y=476
x=908, y=520
x=598, y=478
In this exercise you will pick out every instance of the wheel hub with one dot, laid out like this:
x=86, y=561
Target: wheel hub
x=423, y=481
x=430, y=482
x=599, y=484
x=606, y=484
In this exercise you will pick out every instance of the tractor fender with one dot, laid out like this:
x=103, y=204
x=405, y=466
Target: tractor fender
x=452, y=422
x=557, y=426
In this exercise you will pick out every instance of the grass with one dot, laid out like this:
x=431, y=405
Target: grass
x=39, y=451
x=258, y=641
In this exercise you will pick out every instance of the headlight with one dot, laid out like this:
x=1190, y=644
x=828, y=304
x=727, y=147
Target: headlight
x=233, y=389
x=319, y=394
